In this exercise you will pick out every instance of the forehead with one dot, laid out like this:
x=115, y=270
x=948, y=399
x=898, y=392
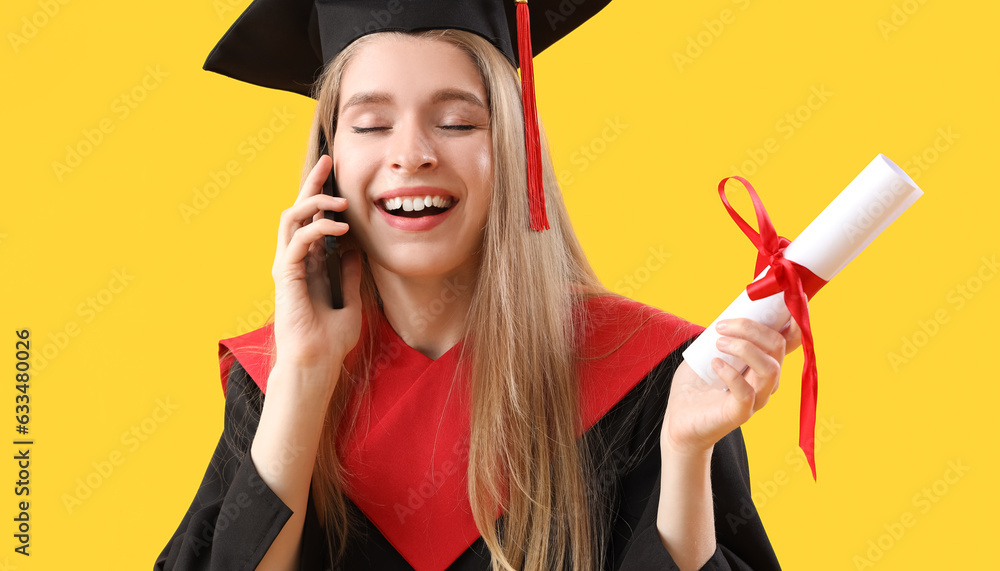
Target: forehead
x=409, y=68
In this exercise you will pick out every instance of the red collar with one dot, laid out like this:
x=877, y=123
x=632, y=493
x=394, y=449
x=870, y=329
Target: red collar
x=406, y=461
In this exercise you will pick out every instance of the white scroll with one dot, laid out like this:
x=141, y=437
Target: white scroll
x=873, y=200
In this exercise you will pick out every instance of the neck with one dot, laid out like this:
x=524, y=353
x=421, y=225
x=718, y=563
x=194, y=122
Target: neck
x=429, y=312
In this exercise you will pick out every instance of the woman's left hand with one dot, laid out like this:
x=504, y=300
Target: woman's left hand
x=698, y=415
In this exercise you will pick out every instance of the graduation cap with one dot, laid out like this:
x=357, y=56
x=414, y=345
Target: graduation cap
x=285, y=44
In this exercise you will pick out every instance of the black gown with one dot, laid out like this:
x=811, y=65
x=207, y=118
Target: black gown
x=235, y=516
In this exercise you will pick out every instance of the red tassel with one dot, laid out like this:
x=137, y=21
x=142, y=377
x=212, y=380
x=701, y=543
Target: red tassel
x=532, y=139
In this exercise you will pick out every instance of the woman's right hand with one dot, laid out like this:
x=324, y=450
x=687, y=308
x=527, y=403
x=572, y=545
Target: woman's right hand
x=309, y=333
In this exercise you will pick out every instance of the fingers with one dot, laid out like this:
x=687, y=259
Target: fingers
x=768, y=340
x=317, y=176
x=298, y=246
x=309, y=205
x=744, y=395
x=793, y=336
x=298, y=256
x=305, y=210
x=291, y=219
x=761, y=348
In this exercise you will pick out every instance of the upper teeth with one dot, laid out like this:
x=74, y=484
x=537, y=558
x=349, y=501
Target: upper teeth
x=418, y=203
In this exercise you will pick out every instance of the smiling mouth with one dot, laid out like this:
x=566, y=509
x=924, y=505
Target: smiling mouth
x=416, y=206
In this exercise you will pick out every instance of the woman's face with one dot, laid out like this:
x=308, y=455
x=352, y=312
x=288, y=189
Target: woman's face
x=413, y=155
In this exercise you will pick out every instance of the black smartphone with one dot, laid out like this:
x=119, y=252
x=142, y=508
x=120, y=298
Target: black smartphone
x=332, y=251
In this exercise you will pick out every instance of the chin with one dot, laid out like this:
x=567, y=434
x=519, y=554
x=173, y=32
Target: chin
x=424, y=261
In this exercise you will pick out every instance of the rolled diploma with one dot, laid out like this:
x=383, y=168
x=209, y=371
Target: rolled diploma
x=873, y=200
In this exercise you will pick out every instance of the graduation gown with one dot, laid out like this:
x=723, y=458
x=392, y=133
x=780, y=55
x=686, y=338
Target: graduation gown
x=409, y=505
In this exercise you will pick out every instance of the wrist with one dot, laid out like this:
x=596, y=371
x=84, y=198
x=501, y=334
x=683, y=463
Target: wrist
x=683, y=450
x=307, y=382
x=312, y=363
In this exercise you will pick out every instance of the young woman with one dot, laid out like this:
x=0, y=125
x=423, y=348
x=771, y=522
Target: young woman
x=481, y=401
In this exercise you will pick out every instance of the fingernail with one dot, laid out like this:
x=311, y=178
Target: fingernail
x=720, y=326
x=722, y=343
x=717, y=364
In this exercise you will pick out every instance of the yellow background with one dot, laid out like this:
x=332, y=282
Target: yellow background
x=892, y=428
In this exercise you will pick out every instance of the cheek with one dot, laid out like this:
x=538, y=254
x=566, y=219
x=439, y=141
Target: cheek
x=480, y=172
x=353, y=170
x=354, y=174
x=485, y=162
x=485, y=166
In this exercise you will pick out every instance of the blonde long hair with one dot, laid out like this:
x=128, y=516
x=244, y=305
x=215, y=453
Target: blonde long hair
x=524, y=455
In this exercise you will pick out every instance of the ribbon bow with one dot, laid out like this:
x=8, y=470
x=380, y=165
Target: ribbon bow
x=799, y=285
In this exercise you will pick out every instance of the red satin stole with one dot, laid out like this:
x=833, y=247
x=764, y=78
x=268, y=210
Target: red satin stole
x=407, y=457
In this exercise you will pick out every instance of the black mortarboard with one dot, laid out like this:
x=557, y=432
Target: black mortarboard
x=284, y=44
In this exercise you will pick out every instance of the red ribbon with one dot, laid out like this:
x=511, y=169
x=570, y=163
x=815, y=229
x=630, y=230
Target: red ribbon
x=799, y=285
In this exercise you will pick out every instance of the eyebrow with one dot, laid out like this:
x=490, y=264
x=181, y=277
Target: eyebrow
x=440, y=96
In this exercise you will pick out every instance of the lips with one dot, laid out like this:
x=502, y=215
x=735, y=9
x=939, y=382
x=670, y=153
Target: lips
x=415, y=208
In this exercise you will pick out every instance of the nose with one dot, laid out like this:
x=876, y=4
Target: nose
x=411, y=149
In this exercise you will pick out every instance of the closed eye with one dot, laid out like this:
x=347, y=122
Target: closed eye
x=362, y=130
x=369, y=129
